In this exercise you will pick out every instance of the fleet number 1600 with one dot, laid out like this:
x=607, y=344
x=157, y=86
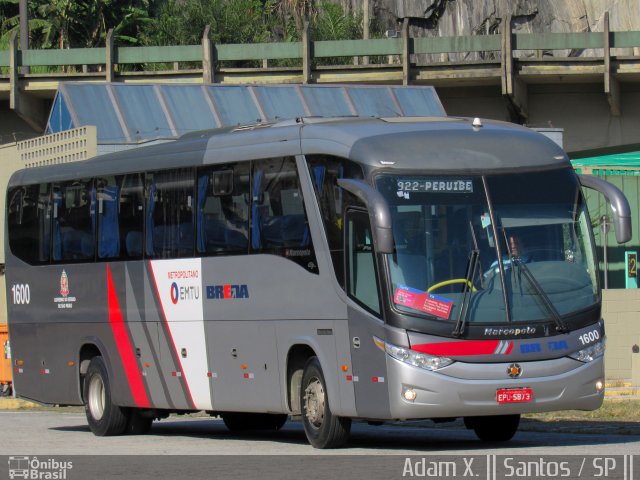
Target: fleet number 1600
x=589, y=337
x=21, y=294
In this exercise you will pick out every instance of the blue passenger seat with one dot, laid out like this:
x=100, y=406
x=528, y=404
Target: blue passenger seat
x=287, y=230
x=77, y=244
x=133, y=243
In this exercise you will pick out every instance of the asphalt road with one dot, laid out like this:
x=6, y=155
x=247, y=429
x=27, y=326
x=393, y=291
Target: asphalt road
x=46, y=432
x=200, y=447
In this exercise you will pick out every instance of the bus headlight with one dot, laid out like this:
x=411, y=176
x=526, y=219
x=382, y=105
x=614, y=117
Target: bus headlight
x=417, y=359
x=589, y=353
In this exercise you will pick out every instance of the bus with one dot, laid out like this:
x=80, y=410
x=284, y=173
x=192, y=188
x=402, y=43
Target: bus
x=327, y=269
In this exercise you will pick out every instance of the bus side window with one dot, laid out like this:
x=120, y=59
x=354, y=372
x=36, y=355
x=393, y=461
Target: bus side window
x=108, y=198
x=362, y=282
x=29, y=223
x=131, y=216
x=278, y=219
x=169, y=215
x=74, y=220
x=222, y=213
x=325, y=171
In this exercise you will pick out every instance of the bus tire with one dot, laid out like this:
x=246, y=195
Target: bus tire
x=496, y=428
x=138, y=424
x=322, y=428
x=104, y=417
x=238, y=422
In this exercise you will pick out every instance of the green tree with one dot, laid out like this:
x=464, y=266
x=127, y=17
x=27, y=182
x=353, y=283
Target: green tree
x=72, y=23
x=333, y=23
x=231, y=21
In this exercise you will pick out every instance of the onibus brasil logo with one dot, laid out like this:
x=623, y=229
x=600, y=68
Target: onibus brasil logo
x=34, y=468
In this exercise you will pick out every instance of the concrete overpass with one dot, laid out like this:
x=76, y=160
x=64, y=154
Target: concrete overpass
x=535, y=79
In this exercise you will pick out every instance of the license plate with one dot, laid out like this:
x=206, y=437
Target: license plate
x=514, y=395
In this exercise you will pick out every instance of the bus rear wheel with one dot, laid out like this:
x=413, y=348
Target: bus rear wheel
x=322, y=428
x=104, y=417
x=238, y=422
x=496, y=428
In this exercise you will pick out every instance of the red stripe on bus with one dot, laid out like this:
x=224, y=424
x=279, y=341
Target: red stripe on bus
x=458, y=349
x=125, y=348
x=173, y=343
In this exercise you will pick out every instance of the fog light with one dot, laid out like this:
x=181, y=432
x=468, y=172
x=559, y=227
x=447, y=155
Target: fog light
x=409, y=394
x=599, y=386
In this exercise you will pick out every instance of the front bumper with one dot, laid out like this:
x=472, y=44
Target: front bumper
x=469, y=389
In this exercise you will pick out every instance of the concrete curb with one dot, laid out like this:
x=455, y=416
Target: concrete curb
x=622, y=392
x=16, y=404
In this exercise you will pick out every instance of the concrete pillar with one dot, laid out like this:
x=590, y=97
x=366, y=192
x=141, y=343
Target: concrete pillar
x=110, y=60
x=208, y=57
x=514, y=90
x=307, y=53
x=611, y=84
x=406, y=53
x=29, y=108
x=365, y=27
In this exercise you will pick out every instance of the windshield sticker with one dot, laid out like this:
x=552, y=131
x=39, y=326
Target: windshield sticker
x=485, y=220
x=423, y=301
x=427, y=185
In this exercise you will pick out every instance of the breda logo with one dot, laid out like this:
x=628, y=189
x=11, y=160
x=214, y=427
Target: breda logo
x=227, y=291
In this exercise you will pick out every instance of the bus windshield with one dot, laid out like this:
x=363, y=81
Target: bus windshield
x=490, y=249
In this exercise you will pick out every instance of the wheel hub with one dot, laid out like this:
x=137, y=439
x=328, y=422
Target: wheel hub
x=96, y=398
x=314, y=402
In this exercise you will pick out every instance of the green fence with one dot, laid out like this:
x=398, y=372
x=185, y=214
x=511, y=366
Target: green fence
x=379, y=48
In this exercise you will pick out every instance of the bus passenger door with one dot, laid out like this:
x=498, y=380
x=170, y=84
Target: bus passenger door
x=369, y=362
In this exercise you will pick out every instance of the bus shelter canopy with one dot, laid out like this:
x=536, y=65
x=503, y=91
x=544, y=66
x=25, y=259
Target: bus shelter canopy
x=133, y=114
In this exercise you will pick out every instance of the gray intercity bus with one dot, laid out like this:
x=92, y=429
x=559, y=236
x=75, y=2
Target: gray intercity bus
x=333, y=269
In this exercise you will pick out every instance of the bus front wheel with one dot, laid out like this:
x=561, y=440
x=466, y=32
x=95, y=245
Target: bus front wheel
x=496, y=428
x=104, y=417
x=322, y=428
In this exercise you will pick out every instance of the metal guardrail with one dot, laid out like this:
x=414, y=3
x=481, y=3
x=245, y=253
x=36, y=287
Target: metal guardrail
x=112, y=55
x=319, y=49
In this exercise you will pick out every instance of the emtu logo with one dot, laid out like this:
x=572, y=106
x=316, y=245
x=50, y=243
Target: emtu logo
x=175, y=293
x=183, y=293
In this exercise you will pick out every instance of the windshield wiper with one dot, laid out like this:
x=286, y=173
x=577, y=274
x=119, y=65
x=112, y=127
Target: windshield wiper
x=560, y=325
x=467, y=289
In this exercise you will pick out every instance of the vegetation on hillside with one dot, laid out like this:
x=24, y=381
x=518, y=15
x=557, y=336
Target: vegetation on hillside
x=85, y=23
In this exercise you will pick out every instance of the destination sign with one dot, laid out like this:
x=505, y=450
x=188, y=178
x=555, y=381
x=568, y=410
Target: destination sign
x=435, y=185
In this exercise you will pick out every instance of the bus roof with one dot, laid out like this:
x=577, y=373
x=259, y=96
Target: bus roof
x=435, y=144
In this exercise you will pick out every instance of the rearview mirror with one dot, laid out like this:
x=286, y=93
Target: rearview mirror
x=618, y=202
x=379, y=213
